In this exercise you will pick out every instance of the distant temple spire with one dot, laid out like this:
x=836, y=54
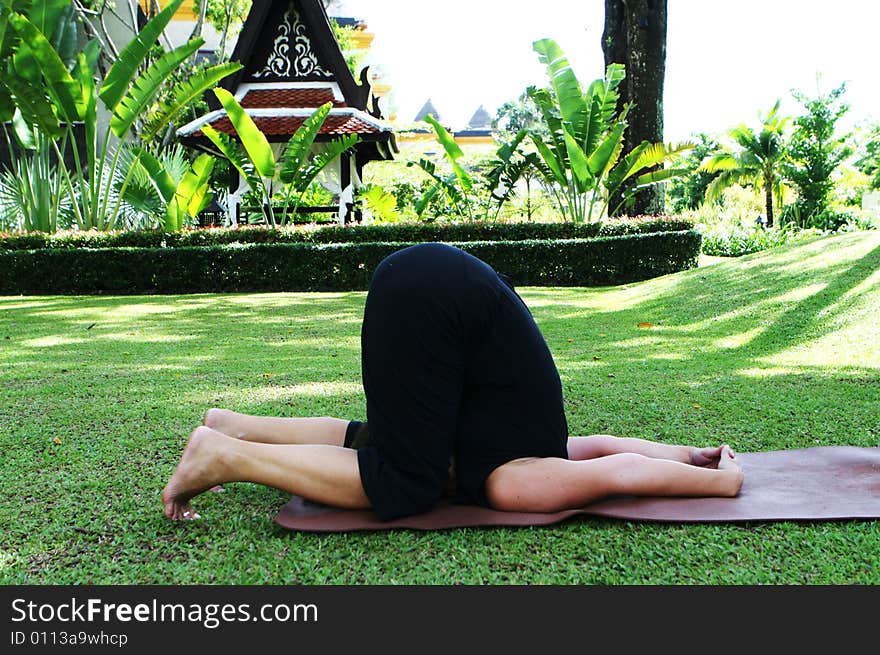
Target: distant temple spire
x=428, y=108
x=480, y=120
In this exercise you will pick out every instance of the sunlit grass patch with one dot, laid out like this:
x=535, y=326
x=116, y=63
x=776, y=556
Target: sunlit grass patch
x=775, y=350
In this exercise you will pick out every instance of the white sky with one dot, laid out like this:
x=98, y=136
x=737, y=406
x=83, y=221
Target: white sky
x=727, y=60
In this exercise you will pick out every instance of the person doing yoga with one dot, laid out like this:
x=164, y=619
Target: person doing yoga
x=463, y=398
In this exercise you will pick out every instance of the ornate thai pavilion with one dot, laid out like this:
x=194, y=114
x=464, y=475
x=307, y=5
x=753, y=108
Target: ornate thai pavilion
x=292, y=64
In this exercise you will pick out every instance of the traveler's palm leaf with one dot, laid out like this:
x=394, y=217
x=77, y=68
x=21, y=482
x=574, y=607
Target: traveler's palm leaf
x=296, y=154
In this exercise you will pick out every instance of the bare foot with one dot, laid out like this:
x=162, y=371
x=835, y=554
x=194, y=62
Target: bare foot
x=200, y=468
x=728, y=463
x=223, y=421
x=706, y=457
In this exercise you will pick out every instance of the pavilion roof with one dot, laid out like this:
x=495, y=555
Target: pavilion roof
x=291, y=65
x=279, y=123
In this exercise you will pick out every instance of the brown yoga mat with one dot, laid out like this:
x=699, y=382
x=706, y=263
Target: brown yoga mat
x=812, y=484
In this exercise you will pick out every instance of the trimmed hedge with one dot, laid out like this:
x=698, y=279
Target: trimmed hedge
x=392, y=233
x=337, y=267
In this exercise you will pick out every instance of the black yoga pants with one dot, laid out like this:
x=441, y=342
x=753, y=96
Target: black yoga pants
x=453, y=365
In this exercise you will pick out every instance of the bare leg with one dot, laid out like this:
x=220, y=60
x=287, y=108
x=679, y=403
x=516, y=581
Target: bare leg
x=552, y=484
x=277, y=430
x=602, y=445
x=322, y=473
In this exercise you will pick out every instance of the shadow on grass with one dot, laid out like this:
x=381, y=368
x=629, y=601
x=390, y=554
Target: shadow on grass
x=737, y=349
x=120, y=382
x=759, y=305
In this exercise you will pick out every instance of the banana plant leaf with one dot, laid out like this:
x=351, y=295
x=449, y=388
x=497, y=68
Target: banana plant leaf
x=83, y=72
x=193, y=191
x=296, y=153
x=446, y=185
x=44, y=61
x=453, y=153
x=64, y=37
x=503, y=159
x=254, y=141
x=34, y=106
x=606, y=91
x=577, y=160
x=191, y=195
x=55, y=19
x=555, y=167
x=47, y=14
x=550, y=114
x=161, y=179
x=8, y=37
x=164, y=184
x=144, y=89
x=7, y=104
x=307, y=174
x=507, y=150
x=422, y=203
x=572, y=107
x=131, y=58
x=602, y=157
x=232, y=151
x=185, y=93
x=627, y=166
x=24, y=133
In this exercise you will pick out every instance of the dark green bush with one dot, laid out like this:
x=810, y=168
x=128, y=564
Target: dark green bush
x=334, y=267
x=396, y=233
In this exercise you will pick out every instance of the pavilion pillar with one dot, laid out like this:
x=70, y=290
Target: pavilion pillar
x=359, y=169
x=344, y=183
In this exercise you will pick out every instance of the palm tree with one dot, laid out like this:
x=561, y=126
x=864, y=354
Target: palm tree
x=755, y=162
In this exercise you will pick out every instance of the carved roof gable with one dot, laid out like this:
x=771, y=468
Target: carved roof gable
x=291, y=55
x=288, y=41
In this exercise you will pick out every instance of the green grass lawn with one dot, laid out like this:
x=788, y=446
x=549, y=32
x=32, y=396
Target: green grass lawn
x=98, y=394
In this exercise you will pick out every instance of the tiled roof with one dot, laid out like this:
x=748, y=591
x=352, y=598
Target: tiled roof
x=297, y=97
x=275, y=126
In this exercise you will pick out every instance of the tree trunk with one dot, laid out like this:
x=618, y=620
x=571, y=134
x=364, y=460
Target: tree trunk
x=768, y=198
x=635, y=36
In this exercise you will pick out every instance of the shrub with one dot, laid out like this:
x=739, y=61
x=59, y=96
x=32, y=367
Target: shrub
x=398, y=232
x=736, y=240
x=275, y=267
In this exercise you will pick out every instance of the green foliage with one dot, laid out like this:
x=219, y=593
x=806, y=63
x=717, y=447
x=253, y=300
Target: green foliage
x=381, y=204
x=504, y=172
x=478, y=194
x=869, y=155
x=255, y=144
x=185, y=96
x=517, y=115
x=184, y=192
x=99, y=185
x=33, y=196
x=737, y=240
x=582, y=152
x=255, y=161
x=689, y=190
x=815, y=152
x=458, y=187
x=333, y=267
x=773, y=360
x=393, y=233
x=227, y=17
x=344, y=34
x=754, y=160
